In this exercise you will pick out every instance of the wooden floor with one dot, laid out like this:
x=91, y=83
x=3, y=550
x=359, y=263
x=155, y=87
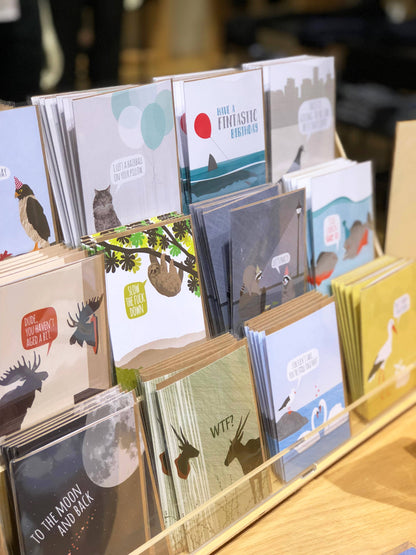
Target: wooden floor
x=364, y=504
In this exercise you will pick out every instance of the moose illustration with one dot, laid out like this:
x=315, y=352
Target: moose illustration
x=15, y=403
x=188, y=451
x=249, y=455
x=86, y=324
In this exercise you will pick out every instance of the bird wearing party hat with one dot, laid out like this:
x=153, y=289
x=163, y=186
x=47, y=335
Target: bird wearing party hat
x=32, y=216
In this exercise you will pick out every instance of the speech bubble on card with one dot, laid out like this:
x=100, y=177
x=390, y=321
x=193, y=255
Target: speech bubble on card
x=280, y=260
x=4, y=172
x=401, y=305
x=39, y=327
x=135, y=300
x=332, y=230
x=127, y=169
x=314, y=115
x=302, y=364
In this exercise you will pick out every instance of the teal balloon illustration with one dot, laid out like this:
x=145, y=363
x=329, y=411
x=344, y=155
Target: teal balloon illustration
x=119, y=101
x=164, y=99
x=153, y=125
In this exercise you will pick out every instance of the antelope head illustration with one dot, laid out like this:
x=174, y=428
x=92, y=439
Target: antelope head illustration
x=188, y=451
x=249, y=455
x=85, y=323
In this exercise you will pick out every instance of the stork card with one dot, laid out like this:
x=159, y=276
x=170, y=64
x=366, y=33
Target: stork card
x=153, y=292
x=300, y=97
x=212, y=432
x=225, y=133
x=267, y=255
x=54, y=346
x=26, y=220
x=84, y=492
x=300, y=364
x=388, y=320
x=127, y=154
x=342, y=222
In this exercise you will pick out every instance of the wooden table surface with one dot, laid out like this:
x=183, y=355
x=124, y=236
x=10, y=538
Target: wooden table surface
x=363, y=504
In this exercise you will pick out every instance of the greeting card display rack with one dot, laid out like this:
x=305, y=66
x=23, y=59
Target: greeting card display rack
x=198, y=531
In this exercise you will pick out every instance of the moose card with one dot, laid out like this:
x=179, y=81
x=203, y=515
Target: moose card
x=26, y=220
x=267, y=255
x=212, y=432
x=55, y=345
x=153, y=292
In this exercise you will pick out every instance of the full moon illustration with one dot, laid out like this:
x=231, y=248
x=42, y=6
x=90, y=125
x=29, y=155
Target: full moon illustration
x=109, y=452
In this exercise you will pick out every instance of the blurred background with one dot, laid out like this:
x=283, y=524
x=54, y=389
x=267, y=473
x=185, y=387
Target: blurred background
x=63, y=45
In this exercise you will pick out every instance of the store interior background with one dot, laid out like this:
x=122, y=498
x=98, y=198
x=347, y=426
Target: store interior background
x=373, y=41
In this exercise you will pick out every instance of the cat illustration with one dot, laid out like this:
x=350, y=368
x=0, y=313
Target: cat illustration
x=105, y=216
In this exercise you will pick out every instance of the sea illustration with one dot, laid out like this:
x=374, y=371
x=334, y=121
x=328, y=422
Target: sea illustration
x=228, y=176
x=342, y=239
x=315, y=446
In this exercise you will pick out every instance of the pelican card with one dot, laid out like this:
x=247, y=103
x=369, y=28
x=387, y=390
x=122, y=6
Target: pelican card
x=26, y=221
x=153, y=292
x=213, y=436
x=303, y=366
x=225, y=133
x=342, y=222
x=84, y=492
x=388, y=321
x=267, y=254
x=127, y=154
x=301, y=107
x=54, y=346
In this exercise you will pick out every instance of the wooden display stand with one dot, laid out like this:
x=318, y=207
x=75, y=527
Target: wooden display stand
x=361, y=431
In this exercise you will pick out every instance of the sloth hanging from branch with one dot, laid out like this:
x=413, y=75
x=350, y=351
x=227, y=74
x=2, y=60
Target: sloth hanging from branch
x=171, y=254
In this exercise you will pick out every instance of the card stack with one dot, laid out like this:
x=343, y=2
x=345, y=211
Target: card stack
x=340, y=229
x=300, y=111
x=111, y=155
x=81, y=481
x=154, y=299
x=252, y=247
x=377, y=317
x=298, y=373
x=27, y=215
x=202, y=411
x=54, y=346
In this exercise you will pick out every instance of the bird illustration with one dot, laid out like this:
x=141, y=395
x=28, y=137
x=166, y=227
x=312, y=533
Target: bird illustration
x=296, y=165
x=288, y=400
x=325, y=265
x=384, y=352
x=356, y=237
x=32, y=216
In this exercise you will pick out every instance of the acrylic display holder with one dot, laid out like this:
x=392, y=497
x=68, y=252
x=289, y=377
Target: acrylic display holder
x=224, y=516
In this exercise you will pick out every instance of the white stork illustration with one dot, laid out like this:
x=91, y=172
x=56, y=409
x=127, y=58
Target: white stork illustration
x=384, y=352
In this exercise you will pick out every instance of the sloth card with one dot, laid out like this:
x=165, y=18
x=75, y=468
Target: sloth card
x=153, y=292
